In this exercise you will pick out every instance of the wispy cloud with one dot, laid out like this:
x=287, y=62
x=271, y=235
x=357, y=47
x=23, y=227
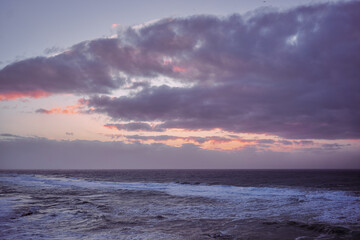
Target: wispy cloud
x=26, y=94
x=70, y=109
x=134, y=126
x=41, y=153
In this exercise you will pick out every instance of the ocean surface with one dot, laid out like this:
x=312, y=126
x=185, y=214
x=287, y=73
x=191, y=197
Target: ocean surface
x=180, y=204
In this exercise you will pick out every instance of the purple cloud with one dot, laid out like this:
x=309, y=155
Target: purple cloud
x=285, y=142
x=304, y=143
x=195, y=139
x=8, y=135
x=42, y=153
x=42, y=110
x=334, y=146
x=266, y=141
x=233, y=109
x=294, y=74
x=134, y=126
x=70, y=72
x=156, y=138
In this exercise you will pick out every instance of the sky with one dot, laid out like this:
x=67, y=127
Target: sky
x=179, y=84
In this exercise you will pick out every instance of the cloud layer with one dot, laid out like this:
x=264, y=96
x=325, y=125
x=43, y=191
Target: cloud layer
x=293, y=74
x=41, y=153
x=134, y=126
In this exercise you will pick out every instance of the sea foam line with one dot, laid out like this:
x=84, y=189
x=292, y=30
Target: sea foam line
x=209, y=191
x=328, y=206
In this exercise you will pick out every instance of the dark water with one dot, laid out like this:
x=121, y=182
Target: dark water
x=180, y=204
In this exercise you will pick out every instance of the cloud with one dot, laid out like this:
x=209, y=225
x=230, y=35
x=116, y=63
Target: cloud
x=266, y=141
x=194, y=139
x=233, y=143
x=249, y=78
x=41, y=153
x=16, y=95
x=69, y=133
x=293, y=74
x=334, y=146
x=134, y=126
x=53, y=50
x=155, y=138
x=73, y=71
x=178, y=69
x=285, y=142
x=304, y=143
x=208, y=142
x=199, y=108
x=9, y=135
x=70, y=109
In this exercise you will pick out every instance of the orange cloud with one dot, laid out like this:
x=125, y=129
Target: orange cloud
x=16, y=95
x=209, y=143
x=231, y=144
x=109, y=126
x=70, y=109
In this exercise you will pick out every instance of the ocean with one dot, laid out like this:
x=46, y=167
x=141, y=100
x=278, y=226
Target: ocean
x=180, y=204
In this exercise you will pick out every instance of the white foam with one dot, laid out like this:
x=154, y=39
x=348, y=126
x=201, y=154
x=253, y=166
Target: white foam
x=213, y=191
x=320, y=205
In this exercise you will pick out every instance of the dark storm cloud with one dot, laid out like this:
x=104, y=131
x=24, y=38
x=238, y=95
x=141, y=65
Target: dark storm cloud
x=294, y=74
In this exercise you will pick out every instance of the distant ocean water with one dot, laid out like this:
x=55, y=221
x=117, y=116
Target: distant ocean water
x=180, y=204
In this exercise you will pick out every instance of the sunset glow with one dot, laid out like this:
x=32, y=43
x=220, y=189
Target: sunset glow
x=16, y=95
x=173, y=120
x=71, y=109
x=246, y=83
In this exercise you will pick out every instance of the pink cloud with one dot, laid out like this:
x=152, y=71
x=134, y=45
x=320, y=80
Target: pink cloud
x=30, y=94
x=178, y=69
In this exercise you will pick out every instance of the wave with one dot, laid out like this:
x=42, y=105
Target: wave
x=181, y=188
x=323, y=205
